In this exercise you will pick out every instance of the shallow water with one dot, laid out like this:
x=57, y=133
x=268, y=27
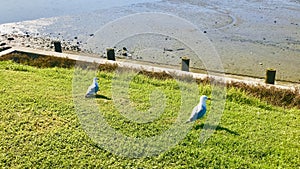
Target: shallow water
x=20, y=10
x=248, y=35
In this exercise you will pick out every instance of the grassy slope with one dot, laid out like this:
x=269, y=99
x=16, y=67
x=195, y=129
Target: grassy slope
x=39, y=127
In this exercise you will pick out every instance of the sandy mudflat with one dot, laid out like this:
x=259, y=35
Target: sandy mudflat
x=248, y=36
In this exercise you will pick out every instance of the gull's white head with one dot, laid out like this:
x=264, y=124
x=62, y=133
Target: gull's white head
x=203, y=99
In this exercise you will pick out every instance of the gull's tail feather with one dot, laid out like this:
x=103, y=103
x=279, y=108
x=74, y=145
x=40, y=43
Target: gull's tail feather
x=188, y=121
x=88, y=95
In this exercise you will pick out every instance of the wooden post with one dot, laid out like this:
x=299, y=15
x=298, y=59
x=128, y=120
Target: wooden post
x=270, y=76
x=185, y=64
x=57, y=46
x=110, y=52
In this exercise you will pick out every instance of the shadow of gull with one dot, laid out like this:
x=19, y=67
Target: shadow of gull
x=99, y=96
x=218, y=128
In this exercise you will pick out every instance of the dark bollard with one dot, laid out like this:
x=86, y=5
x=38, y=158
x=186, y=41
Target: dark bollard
x=270, y=76
x=185, y=64
x=110, y=52
x=57, y=46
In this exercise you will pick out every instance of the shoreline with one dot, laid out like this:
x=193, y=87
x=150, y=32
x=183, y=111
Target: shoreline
x=68, y=47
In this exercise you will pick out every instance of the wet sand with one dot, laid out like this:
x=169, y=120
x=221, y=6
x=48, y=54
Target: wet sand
x=249, y=36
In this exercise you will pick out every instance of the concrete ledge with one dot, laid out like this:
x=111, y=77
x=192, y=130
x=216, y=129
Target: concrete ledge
x=8, y=51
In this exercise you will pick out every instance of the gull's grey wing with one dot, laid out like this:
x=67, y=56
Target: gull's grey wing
x=91, y=90
x=194, y=114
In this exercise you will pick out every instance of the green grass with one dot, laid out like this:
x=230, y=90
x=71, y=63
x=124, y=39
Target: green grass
x=39, y=126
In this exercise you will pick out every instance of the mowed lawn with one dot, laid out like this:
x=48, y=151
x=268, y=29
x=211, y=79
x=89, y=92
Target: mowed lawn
x=39, y=127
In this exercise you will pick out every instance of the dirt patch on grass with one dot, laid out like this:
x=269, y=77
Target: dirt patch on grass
x=39, y=61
